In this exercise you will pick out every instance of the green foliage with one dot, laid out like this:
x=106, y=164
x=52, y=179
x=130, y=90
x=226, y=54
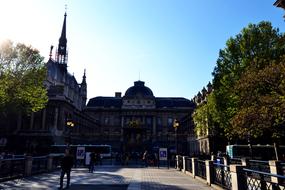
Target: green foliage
x=22, y=75
x=205, y=116
x=262, y=101
x=236, y=75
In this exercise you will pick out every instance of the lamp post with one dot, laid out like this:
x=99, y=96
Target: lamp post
x=69, y=124
x=176, y=125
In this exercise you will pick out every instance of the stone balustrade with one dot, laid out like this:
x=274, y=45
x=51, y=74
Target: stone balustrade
x=224, y=175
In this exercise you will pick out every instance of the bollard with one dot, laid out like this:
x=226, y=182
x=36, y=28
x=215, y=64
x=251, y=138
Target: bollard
x=184, y=164
x=275, y=168
x=49, y=163
x=28, y=165
x=244, y=161
x=194, y=166
x=209, y=171
x=238, y=179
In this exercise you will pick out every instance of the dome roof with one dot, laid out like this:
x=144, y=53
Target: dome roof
x=139, y=90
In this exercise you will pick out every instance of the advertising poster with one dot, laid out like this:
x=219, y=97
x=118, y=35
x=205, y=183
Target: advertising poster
x=162, y=153
x=80, y=153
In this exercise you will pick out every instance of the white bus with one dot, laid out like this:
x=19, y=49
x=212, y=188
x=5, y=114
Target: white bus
x=104, y=150
x=258, y=152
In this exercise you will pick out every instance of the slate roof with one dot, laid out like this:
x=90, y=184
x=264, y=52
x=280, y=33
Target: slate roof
x=173, y=102
x=105, y=102
x=139, y=89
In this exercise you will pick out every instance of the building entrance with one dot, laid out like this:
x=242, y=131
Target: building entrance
x=134, y=140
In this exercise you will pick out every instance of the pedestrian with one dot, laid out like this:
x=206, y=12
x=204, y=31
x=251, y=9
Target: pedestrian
x=145, y=158
x=66, y=165
x=92, y=162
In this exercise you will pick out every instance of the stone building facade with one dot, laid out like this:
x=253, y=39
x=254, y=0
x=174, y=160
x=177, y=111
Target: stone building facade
x=209, y=140
x=35, y=133
x=139, y=120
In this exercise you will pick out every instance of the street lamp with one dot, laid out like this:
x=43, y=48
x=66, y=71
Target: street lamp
x=69, y=124
x=176, y=125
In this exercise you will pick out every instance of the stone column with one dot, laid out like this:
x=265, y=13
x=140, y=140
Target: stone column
x=153, y=129
x=244, y=162
x=238, y=179
x=184, y=164
x=275, y=168
x=194, y=166
x=226, y=162
x=213, y=157
x=28, y=165
x=209, y=171
x=49, y=162
x=177, y=162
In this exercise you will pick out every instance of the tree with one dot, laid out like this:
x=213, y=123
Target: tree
x=22, y=75
x=205, y=116
x=261, y=108
x=250, y=51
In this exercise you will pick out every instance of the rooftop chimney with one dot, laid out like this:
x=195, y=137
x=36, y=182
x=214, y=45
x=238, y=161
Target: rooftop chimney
x=118, y=94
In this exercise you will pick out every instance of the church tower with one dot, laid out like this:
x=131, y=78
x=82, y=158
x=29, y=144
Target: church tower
x=61, y=56
x=83, y=90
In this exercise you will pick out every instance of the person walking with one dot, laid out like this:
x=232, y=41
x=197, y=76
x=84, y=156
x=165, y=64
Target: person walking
x=66, y=165
x=92, y=162
x=145, y=158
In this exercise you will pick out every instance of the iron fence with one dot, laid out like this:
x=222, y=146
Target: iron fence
x=257, y=180
x=222, y=176
x=282, y=168
x=39, y=164
x=201, y=169
x=235, y=161
x=56, y=161
x=259, y=165
x=180, y=162
x=188, y=164
x=12, y=168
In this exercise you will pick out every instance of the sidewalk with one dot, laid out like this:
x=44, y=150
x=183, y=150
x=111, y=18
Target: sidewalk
x=112, y=178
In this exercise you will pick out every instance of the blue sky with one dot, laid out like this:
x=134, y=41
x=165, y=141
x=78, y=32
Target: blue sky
x=172, y=45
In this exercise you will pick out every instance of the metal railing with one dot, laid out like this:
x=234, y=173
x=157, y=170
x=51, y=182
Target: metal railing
x=201, y=169
x=259, y=165
x=12, y=168
x=282, y=168
x=56, y=162
x=39, y=164
x=222, y=176
x=235, y=161
x=262, y=180
x=180, y=162
x=188, y=164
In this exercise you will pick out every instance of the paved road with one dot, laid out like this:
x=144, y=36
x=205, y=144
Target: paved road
x=112, y=178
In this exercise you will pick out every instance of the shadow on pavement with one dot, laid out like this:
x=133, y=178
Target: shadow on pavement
x=98, y=187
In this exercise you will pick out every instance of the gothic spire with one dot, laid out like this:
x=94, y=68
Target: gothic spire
x=84, y=77
x=62, y=52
